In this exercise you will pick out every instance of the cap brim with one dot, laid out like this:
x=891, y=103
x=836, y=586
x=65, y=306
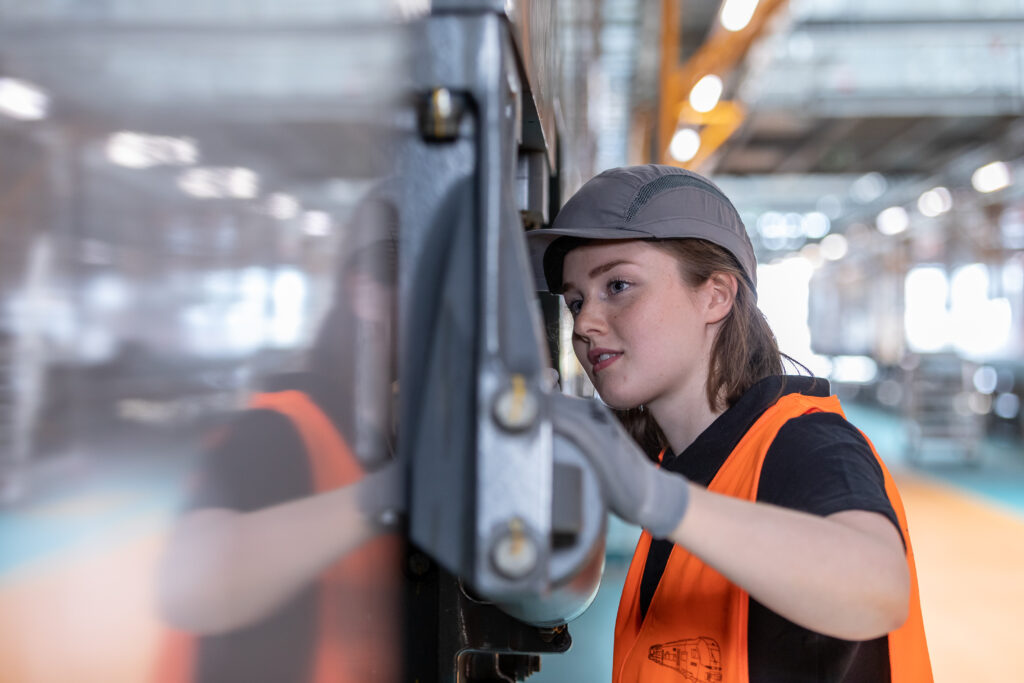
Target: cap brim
x=539, y=240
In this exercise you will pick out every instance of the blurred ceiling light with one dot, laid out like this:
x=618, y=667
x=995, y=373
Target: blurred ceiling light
x=834, y=247
x=892, y=221
x=935, y=201
x=774, y=230
x=991, y=177
x=980, y=404
x=316, y=223
x=868, y=187
x=1007, y=406
x=685, y=144
x=925, y=313
x=219, y=183
x=771, y=224
x=854, y=369
x=736, y=14
x=138, y=150
x=22, y=100
x=812, y=253
x=980, y=326
x=815, y=224
x=705, y=95
x=282, y=206
x=243, y=183
x=412, y=9
x=985, y=379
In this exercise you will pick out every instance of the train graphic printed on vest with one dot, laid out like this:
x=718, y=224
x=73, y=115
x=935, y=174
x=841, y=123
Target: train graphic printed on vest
x=696, y=659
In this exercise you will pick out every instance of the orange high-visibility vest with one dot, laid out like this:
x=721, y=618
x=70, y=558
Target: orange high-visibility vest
x=357, y=617
x=696, y=626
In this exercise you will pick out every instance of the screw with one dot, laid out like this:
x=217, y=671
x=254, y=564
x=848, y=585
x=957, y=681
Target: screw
x=514, y=554
x=515, y=408
x=419, y=564
x=440, y=113
x=387, y=518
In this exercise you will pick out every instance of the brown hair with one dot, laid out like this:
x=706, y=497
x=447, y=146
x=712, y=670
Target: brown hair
x=744, y=352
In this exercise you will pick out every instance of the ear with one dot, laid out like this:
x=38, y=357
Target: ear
x=719, y=296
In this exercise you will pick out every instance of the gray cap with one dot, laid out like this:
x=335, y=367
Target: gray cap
x=642, y=202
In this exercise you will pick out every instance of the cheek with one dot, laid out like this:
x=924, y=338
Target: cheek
x=580, y=349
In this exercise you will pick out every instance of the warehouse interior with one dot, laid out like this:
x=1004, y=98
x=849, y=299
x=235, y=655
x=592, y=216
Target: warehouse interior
x=176, y=190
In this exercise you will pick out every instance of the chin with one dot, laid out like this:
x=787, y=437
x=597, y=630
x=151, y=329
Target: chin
x=618, y=402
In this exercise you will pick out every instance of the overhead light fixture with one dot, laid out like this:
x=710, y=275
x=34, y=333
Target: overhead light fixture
x=705, y=94
x=868, y=187
x=220, y=183
x=892, y=221
x=139, y=150
x=282, y=206
x=834, y=247
x=934, y=202
x=812, y=253
x=736, y=14
x=685, y=145
x=316, y=223
x=991, y=177
x=22, y=100
x=815, y=224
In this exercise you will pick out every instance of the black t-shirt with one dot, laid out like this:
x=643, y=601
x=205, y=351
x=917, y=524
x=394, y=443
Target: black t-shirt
x=818, y=463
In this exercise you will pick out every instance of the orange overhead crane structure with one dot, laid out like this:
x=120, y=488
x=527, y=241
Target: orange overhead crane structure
x=720, y=53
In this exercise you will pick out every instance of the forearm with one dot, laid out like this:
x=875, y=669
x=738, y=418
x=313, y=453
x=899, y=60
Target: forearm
x=224, y=569
x=844, y=575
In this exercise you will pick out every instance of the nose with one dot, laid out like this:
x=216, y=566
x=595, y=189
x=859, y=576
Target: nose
x=590, y=321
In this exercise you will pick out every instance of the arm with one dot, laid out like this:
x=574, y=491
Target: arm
x=225, y=569
x=844, y=575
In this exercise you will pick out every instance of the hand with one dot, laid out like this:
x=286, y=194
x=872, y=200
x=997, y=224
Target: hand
x=636, y=490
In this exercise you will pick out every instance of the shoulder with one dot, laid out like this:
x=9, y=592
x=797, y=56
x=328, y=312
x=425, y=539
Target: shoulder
x=255, y=461
x=822, y=464
x=821, y=431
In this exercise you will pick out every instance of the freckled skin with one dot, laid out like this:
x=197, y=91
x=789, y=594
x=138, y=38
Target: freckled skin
x=641, y=307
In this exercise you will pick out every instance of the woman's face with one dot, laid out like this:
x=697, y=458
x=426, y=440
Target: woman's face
x=641, y=333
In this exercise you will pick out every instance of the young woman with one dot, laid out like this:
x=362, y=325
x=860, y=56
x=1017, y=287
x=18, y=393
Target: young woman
x=775, y=546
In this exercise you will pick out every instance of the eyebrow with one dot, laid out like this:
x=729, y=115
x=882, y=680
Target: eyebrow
x=603, y=268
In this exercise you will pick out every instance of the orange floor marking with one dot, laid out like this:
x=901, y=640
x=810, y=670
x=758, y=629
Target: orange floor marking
x=88, y=617
x=970, y=562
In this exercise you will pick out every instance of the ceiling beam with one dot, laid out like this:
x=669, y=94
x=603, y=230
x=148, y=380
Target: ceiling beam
x=719, y=54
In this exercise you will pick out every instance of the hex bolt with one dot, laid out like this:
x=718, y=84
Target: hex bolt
x=387, y=518
x=440, y=112
x=419, y=564
x=515, y=553
x=516, y=407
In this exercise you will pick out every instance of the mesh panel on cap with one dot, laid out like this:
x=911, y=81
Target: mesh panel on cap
x=668, y=182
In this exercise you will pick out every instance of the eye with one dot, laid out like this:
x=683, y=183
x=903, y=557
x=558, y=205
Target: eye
x=618, y=286
x=574, y=305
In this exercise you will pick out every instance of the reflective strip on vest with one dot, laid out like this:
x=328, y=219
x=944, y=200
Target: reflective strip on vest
x=696, y=626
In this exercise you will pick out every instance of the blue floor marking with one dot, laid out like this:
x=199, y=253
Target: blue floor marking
x=998, y=476
x=85, y=515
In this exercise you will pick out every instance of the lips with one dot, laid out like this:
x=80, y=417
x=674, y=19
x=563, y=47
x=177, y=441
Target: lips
x=602, y=358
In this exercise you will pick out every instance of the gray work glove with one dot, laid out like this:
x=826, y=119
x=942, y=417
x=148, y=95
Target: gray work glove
x=636, y=490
